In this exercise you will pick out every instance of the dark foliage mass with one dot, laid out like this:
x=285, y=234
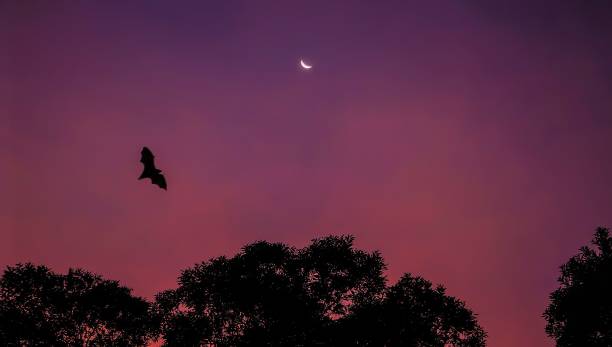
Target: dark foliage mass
x=269, y=294
x=327, y=294
x=580, y=310
x=42, y=308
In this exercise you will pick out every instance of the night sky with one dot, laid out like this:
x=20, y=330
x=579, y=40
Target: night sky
x=468, y=141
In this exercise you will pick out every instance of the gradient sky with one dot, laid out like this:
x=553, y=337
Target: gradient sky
x=468, y=141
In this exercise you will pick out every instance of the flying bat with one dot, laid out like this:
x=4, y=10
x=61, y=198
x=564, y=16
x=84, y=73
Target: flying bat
x=150, y=171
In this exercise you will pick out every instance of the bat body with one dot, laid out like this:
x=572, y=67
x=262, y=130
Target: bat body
x=150, y=171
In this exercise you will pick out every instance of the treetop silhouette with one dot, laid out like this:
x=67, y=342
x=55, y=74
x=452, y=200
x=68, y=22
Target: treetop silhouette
x=580, y=310
x=41, y=308
x=327, y=294
x=269, y=294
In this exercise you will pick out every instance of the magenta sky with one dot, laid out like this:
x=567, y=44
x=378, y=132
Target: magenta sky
x=468, y=142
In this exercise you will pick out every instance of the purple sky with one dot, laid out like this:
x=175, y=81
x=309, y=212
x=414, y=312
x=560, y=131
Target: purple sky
x=468, y=141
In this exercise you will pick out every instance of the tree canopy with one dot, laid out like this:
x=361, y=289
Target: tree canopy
x=327, y=293
x=580, y=310
x=43, y=308
x=269, y=294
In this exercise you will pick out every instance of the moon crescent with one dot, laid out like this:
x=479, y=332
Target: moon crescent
x=304, y=65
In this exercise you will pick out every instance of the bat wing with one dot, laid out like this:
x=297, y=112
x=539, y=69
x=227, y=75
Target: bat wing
x=159, y=180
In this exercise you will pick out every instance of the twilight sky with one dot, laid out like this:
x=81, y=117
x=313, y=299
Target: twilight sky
x=468, y=141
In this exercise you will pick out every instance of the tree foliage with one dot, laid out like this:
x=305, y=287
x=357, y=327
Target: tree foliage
x=40, y=307
x=269, y=294
x=327, y=293
x=580, y=310
x=413, y=313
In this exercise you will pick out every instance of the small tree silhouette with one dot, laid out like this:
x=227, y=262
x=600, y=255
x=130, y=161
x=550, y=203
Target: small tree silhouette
x=328, y=294
x=412, y=313
x=580, y=310
x=42, y=308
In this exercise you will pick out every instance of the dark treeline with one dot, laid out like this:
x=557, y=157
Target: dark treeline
x=271, y=294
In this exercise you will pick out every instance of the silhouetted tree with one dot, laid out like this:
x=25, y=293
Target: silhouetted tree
x=40, y=307
x=328, y=293
x=580, y=310
x=412, y=313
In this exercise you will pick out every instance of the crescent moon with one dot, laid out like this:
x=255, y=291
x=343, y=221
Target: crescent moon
x=305, y=66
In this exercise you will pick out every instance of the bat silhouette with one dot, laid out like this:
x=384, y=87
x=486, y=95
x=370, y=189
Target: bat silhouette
x=150, y=171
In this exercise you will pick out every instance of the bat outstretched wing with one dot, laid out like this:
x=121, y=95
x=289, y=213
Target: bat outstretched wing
x=159, y=180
